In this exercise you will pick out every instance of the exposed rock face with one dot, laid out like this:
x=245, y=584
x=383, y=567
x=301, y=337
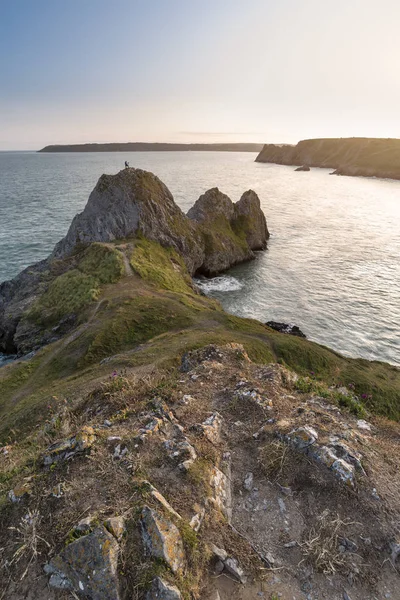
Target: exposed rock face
x=162, y=539
x=126, y=204
x=231, y=232
x=161, y=590
x=367, y=157
x=79, y=443
x=215, y=235
x=88, y=566
x=251, y=220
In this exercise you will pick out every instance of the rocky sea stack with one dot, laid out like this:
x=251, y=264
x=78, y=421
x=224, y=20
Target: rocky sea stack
x=131, y=205
x=154, y=447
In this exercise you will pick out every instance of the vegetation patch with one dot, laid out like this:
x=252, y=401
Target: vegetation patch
x=105, y=263
x=67, y=294
x=161, y=266
x=135, y=321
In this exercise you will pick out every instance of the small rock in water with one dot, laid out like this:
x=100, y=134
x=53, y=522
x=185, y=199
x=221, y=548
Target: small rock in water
x=288, y=328
x=302, y=168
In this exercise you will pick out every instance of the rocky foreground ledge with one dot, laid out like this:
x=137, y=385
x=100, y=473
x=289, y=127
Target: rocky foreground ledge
x=366, y=157
x=133, y=204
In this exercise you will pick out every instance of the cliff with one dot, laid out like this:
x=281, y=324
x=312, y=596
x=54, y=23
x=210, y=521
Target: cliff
x=367, y=157
x=131, y=205
x=159, y=448
x=152, y=147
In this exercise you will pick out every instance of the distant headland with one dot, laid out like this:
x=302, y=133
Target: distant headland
x=367, y=157
x=152, y=147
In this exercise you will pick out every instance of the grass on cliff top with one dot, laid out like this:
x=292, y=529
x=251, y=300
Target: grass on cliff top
x=105, y=263
x=160, y=266
x=139, y=322
x=73, y=291
x=67, y=294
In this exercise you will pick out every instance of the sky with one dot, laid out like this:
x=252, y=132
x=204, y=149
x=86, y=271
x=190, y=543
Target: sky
x=75, y=71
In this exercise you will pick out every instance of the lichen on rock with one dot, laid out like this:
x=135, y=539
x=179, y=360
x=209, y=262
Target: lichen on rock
x=162, y=539
x=88, y=566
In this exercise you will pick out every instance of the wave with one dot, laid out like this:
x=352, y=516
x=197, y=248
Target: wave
x=222, y=283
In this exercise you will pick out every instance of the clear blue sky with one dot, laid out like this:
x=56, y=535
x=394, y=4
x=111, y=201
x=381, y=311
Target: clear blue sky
x=197, y=70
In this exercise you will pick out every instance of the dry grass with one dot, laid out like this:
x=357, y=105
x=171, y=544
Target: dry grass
x=273, y=459
x=321, y=547
x=28, y=540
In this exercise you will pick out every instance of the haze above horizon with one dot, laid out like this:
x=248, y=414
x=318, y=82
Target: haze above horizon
x=207, y=71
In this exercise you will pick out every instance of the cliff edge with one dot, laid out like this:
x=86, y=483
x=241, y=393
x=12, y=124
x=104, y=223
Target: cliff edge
x=367, y=157
x=124, y=208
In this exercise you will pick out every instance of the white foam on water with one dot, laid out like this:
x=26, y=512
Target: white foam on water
x=222, y=283
x=5, y=358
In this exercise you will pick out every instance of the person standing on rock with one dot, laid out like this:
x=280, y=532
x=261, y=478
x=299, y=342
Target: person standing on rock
x=126, y=164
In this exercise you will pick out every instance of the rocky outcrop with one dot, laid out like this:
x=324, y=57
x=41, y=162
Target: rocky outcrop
x=215, y=235
x=88, y=566
x=78, y=444
x=231, y=232
x=133, y=202
x=367, y=157
x=286, y=328
x=161, y=590
x=162, y=539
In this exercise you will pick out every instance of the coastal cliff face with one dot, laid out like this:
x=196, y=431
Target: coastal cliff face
x=368, y=157
x=131, y=205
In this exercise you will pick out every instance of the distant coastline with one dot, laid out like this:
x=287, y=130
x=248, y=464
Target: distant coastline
x=152, y=147
x=363, y=157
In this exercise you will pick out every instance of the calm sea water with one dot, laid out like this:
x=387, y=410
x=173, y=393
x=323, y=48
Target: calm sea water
x=333, y=260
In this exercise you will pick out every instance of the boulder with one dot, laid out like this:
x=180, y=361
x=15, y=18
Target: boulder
x=233, y=567
x=211, y=428
x=116, y=526
x=162, y=590
x=78, y=444
x=87, y=566
x=221, y=492
x=303, y=437
x=162, y=539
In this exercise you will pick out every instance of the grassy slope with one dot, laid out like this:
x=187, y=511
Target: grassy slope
x=150, y=321
x=368, y=155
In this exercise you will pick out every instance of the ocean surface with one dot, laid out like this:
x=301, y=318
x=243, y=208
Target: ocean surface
x=333, y=261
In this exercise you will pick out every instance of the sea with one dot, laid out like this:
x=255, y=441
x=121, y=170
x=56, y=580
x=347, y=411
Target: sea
x=332, y=266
